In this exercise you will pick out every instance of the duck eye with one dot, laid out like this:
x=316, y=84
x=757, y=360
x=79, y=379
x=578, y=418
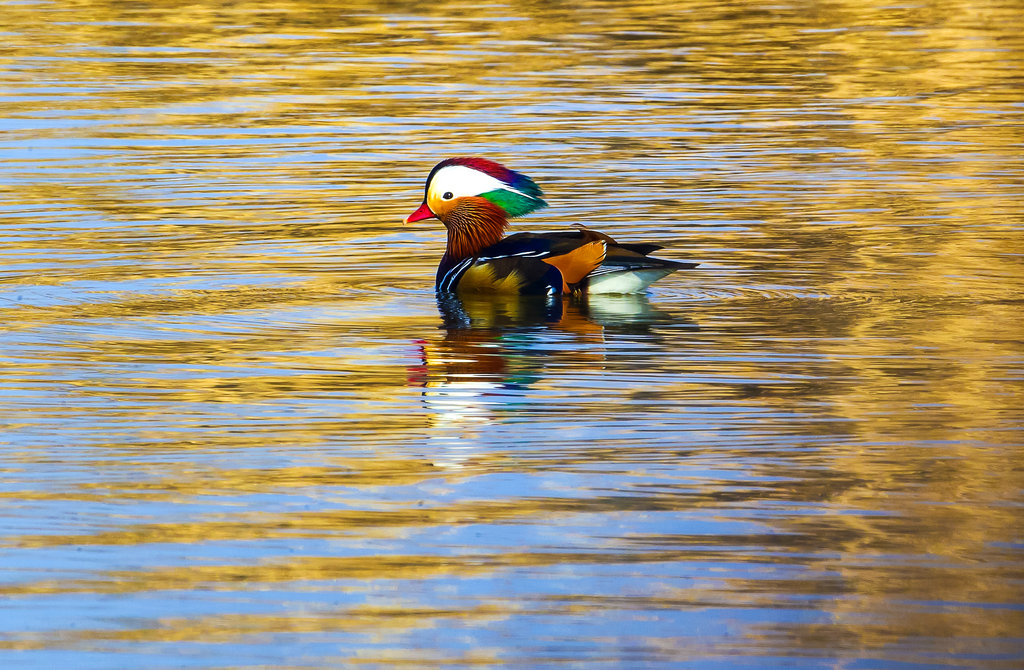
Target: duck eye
x=447, y=195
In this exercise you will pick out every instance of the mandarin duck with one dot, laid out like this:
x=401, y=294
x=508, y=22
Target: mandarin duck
x=475, y=197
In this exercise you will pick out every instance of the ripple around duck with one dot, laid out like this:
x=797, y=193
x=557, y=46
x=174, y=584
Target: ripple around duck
x=682, y=291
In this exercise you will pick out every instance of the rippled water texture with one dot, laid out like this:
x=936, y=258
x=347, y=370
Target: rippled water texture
x=239, y=430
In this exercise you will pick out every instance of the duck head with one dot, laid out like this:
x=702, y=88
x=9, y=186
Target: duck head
x=458, y=185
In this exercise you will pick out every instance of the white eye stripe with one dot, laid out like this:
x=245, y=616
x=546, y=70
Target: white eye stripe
x=463, y=181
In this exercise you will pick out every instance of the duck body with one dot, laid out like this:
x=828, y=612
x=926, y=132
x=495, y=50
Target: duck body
x=475, y=197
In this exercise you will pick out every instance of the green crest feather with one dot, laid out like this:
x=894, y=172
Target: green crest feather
x=514, y=203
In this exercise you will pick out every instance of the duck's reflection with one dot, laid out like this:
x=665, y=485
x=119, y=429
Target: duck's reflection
x=500, y=353
x=629, y=312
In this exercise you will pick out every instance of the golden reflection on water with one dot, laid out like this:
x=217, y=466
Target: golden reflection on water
x=237, y=422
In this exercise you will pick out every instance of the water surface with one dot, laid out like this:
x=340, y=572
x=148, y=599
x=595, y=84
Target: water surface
x=240, y=431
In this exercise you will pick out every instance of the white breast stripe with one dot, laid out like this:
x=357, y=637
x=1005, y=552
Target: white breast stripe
x=452, y=276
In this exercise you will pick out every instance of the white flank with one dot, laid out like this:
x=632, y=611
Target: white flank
x=462, y=181
x=627, y=281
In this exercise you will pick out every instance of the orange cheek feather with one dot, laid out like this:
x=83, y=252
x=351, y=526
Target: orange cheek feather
x=442, y=207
